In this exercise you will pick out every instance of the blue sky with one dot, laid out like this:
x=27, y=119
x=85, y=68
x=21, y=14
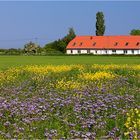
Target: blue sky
x=23, y=21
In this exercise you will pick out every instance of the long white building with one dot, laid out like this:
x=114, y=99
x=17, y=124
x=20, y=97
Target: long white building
x=104, y=45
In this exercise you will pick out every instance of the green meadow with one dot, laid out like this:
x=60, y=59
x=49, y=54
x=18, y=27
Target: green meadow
x=11, y=61
x=68, y=97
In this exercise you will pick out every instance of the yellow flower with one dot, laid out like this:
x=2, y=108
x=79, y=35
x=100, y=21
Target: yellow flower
x=135, y=125
x=128, y=119
x=126, y=133
x=136, y=110
x=133, y=122
x=97, y=75
x=63, y=84
x=126, y=124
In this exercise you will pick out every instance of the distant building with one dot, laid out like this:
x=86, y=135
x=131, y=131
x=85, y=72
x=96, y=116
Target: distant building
x=104, y=45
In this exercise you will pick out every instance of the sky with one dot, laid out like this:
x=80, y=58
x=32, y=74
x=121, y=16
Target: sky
x=46, y=21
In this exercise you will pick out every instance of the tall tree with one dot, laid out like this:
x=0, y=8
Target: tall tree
x=135, y=32
x=100, y=25
x=71, y=35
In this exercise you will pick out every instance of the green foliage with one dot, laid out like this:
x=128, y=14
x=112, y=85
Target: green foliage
x=60, y=44
x=100, y=26
x=31, y=48
x=11, y=51
x=135, y=32
x=51, y=48
x=71, y=35
x=2, y=51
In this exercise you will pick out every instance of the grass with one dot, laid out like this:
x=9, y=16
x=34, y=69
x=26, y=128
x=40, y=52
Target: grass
x=11, y=61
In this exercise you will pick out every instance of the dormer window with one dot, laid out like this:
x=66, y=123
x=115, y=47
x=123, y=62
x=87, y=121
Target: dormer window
x=137, y=43
x=116, y=43
x=126, y=44
x=74, y=44
x=81, y=44
x=91, y=37
x=94, y=43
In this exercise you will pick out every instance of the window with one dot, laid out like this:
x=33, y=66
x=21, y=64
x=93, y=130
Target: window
x=116, y=43
x=125, y=51
x=114, y=51
x=91, y=37
x=74, y=44
x=95, y=51
x=94, y=43
x=137, y=44
x=81, y=44
x=71, y=51
x=126, y=44
x=88, y=51
x=132, y=51
x=79, y=51
x=106, y=52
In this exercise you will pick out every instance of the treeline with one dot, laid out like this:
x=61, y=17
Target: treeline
x=31, y=48
x=11, y=51
x=59, y=46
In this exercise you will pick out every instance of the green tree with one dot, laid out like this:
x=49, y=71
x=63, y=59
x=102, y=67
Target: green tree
x=135, y=32
x=31, y=48
x=13, y=51
x=3, y=51
x=60, y=44
x=100, y=25
x=71, y=35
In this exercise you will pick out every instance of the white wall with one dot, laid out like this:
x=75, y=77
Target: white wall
x=137, y=52
x=103, y=52
x=119, y=52
x=73, y=52
x=68, y=51
x=83, y=51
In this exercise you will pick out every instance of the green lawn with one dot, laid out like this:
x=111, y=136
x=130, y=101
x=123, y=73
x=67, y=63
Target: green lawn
x=8, y=61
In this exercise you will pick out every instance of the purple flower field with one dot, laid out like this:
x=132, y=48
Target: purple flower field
x=70, y=102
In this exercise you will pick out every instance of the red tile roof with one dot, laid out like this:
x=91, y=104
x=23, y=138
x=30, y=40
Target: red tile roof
x=105, y=42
